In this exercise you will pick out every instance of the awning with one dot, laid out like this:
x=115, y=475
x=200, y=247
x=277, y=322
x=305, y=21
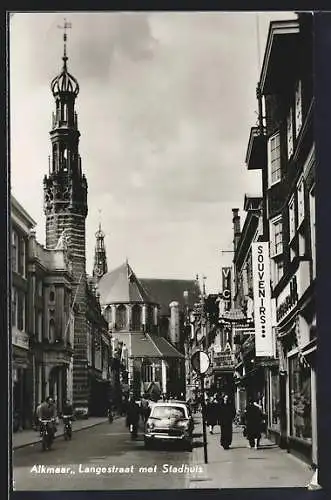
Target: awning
x=151, y=346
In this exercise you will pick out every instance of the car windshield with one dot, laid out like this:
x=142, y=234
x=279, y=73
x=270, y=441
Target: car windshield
x=168, y=412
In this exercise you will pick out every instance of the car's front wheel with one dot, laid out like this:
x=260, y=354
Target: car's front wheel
x=148, y=444
x=188, y=445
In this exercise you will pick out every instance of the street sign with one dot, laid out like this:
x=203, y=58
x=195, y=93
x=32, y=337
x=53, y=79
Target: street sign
x=200, y=362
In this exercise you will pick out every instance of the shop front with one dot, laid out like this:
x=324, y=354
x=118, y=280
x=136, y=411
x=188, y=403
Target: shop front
x=22, y=389
x=297, y=397
x=100, y=394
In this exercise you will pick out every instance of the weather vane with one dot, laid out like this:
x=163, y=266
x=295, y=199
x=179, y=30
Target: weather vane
x=65, y=26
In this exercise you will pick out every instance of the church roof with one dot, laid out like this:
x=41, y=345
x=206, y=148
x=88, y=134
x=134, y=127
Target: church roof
x=165, y=291
x=122, y=285
x=152, y=346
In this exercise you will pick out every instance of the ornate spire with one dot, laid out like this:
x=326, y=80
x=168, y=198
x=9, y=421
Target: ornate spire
x=64, y=82
x=100, y=259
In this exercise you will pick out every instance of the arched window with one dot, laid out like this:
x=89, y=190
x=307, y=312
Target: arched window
x=147, y=372
x=121, y=320
x=136, y=317
x=107, y=314
x=150, y=316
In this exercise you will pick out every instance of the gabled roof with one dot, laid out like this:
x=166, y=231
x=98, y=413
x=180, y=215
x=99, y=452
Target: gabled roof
x=122, y=285
x=152, y=346
x=165, y=291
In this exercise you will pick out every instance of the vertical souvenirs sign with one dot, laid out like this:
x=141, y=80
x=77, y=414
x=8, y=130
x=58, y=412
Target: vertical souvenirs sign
x=262, y=299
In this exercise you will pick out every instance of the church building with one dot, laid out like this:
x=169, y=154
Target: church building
x=146, y=320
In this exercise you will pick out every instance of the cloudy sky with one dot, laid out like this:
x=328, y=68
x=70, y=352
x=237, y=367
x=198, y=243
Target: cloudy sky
x=165, y=108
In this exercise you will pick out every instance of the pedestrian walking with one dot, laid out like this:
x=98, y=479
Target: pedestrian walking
x=132, y=419
x=211, y=414
x=253, y=423
x=227, y=414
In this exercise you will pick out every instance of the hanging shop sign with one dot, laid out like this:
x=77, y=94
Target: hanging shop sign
x=262, y=299
x=286, y=304
x=226, y=287
x=200, y=362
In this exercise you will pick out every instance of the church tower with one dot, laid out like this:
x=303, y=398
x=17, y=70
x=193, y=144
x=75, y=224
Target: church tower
x=100, y=258
x=65, y=207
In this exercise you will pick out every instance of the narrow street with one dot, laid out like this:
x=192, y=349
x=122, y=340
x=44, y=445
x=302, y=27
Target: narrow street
x=103, y=457
x=101, y=446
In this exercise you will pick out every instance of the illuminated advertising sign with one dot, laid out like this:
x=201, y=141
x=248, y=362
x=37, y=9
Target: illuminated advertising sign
x=262, y=299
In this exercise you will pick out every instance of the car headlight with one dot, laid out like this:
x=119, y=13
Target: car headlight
x=150, y=426
x=183, y=424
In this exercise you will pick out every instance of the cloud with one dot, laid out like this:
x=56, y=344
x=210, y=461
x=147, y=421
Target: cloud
x=165, y=108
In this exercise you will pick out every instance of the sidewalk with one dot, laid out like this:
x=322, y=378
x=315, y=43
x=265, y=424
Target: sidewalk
x=242, y=467
x=29, y=437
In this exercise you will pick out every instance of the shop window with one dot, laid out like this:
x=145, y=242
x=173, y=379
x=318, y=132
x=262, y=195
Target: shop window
x=298, y=108
x=275, y=401
x=290, y=134
x=274, y=159
x=300, y=400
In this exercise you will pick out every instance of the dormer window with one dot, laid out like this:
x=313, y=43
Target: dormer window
x=274, y=159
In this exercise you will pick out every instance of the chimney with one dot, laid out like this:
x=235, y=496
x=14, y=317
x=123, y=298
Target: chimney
x=236, y=228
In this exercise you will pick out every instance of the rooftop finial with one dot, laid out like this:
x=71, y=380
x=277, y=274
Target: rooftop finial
x=99, y=210
x=65, y=26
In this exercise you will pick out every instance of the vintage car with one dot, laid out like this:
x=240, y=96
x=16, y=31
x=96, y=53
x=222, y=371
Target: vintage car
x=169, y=422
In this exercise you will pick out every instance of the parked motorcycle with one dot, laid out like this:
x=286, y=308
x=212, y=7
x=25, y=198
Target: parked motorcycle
x=47, y=433
x=67, y=426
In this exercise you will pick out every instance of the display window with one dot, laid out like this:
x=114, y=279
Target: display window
x=274, y=401
x=300, y=400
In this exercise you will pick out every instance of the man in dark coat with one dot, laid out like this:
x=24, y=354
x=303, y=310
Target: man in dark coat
x=132, y=419
x=211, y=414
x=227, y=413
x=253, y=421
